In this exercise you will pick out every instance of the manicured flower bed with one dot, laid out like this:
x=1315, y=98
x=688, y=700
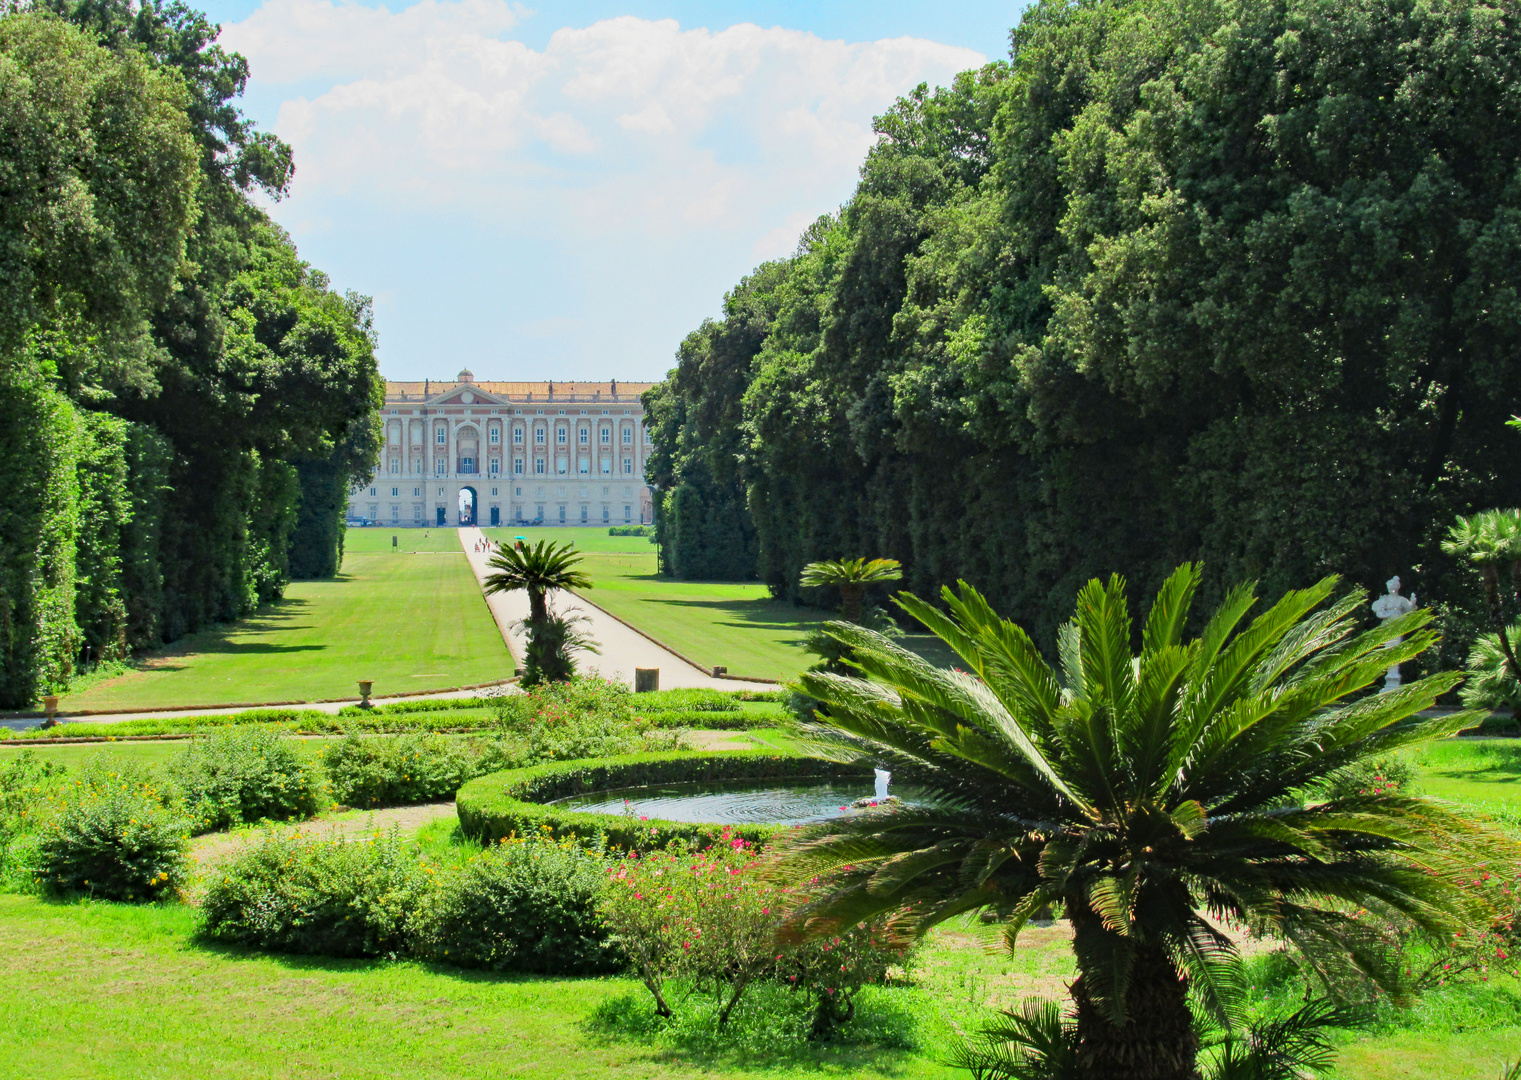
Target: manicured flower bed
x=501, y=804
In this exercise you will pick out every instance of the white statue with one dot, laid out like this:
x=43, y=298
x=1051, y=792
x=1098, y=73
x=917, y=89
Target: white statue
x=1391, y=606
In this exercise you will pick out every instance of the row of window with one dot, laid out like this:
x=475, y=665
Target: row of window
x=417, y=513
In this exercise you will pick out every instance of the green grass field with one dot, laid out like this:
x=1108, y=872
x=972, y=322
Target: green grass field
x=406, y=621
x=736, y=625
x=107, y=990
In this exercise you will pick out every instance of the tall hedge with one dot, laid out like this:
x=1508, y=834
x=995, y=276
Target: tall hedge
x=39, y=454
x=1222, y=280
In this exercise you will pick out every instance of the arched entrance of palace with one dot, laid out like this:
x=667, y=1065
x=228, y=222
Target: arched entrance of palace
x=467, y=506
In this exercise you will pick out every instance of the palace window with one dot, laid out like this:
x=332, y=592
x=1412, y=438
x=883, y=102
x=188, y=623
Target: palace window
x=607, y=436
x=562, y=515
x=496, y=436
x=395, y=466
x=395, y=514
x=372, y=495
x=607, y=466
x=584, y=436
x=628, y=513
x=583, y=515
x=417, y=512
x=605, y=515
x=438, y=466
x=517, y=466
x=585, y=466
x=496, y=466
x=538, y=465
x=395, y=492
x=560, y=466
x=560, y=436
x=538, y=435
x=441, y=436
x=628, y=465
x=493, y=491
x=628, y=436
x=417, y=493
x=517, y=435
x=374, y=511
x=467, y=464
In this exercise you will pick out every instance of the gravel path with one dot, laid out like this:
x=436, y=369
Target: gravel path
x=216, y=847
x=623, y=649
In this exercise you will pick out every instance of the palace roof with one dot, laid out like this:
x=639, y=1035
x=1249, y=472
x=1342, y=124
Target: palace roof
x=535, y=392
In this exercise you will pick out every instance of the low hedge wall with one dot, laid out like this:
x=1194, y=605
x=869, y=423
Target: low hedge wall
x=500, y=804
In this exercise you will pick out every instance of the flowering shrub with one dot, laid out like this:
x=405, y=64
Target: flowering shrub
x=1385, y=775
x=115, y=836
x=398, y=770
x=294, y=894
x=244, y=774
x=520, y=905
x=586, y=717
x=709, y=916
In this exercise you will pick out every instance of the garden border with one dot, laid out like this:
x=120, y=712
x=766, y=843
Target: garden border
x=502, y=804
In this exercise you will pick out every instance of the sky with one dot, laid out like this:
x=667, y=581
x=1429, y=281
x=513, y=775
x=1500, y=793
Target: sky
x=566, y=191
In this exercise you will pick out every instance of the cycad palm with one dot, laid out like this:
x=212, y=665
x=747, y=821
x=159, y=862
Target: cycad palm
x=850, y=576
x=536, y=570
x=1154, y=796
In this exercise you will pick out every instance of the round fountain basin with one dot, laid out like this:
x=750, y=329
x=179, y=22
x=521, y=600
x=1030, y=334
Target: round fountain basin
x=731, y=802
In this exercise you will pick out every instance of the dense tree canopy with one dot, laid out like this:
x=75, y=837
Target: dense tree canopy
x=183, y=400
x=1220, y=280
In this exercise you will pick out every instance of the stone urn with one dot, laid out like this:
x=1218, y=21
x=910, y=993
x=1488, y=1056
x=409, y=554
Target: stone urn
x=364, y=692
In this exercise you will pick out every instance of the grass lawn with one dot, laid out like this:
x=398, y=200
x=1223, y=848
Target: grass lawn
x=108, y=990
x=405, y=621
x=736, y=625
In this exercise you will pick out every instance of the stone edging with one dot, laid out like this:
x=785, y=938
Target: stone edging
x=687, y=659
x=69, y=713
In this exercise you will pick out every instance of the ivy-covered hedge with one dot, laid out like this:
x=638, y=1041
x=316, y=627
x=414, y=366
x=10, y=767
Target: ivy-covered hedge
x=513, y=802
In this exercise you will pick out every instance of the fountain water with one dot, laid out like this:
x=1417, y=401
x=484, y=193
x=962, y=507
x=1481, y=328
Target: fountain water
x=883, y=776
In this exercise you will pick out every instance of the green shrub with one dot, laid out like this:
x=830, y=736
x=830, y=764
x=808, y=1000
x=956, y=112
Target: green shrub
x=631, y=530
x=25, y=781
x=522, y=905
x=586, y=717
x=685, y=699
x=118, y=838
x=704, y=720
x=245, y=774
x=293, y=894
x=398, y=770
x=511, y=803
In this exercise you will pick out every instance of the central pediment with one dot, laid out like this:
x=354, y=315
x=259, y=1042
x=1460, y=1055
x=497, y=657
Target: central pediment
x=466, y=395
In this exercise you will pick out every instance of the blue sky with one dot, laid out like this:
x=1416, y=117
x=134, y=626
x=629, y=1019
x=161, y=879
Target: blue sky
x=565, y=191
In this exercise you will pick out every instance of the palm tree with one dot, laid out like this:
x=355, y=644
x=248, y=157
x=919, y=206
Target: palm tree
x=1155, y=796
x=1486, y=540
x=536, y=570
x=850, y=576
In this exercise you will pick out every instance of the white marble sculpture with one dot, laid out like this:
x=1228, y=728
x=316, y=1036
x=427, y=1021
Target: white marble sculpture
x=1391, y=606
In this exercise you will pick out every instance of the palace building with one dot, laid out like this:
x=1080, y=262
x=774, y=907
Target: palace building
x=509, y=453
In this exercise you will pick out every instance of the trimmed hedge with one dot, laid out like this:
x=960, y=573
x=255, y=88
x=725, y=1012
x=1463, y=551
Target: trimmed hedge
x=512, y=802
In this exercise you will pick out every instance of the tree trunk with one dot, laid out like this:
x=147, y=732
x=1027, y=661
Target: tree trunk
x=851, y=595
x=538, y=607
x=1157, y=1040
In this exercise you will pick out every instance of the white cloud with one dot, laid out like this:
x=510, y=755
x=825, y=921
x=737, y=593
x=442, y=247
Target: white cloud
x=628, y=126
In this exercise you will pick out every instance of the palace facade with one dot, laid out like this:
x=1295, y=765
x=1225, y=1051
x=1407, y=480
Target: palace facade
x=509, y=453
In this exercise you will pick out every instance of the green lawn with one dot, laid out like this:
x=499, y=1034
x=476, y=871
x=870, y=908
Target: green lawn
x=107, y=990
x=736, y=625
x=406, y=621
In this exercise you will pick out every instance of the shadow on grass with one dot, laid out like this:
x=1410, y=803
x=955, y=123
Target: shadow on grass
x=767, y=1030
